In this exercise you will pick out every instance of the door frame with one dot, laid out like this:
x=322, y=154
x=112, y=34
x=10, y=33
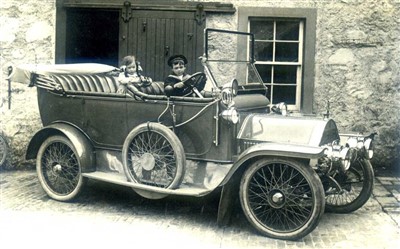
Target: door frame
x=125, y=9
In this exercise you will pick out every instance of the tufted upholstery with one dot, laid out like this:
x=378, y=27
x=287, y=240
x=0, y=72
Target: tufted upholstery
x=154, y=88
x=107, y=85
x=99, y=83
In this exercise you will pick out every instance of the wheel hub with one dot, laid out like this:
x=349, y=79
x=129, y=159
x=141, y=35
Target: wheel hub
x=276, y=199
x=147, y=161
x=57, y=168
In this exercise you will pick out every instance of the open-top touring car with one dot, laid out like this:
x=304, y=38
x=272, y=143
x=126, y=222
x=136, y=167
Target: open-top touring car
x=286, y=169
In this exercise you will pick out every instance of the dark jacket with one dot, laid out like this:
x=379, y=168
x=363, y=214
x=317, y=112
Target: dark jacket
x=172, y=79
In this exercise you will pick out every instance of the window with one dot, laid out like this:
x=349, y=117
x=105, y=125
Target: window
x=278, y=50
x=284, y=52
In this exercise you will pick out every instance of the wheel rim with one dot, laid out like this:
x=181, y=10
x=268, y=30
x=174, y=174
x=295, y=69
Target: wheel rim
x=352, y=184
x=151, y=159
x=60, y=168
x=280, y=198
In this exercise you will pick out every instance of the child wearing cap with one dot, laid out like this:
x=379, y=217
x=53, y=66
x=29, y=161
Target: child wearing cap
x=178, y=74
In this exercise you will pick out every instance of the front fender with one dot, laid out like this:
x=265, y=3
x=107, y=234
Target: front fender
x=82, y=144
x=274, y=149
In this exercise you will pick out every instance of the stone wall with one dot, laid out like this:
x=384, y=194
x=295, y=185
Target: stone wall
x=27, y=36
x=357, y=69
x=357, y=65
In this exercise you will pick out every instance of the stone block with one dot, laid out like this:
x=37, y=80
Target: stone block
x=39, y=31
x=392, y=210
x=386, y=178
x=341, y=57
x=396, y=195
x=388, y=201
x=386, y=182
x=380, y=191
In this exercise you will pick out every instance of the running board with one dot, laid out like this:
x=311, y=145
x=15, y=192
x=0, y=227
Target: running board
x=120, y=179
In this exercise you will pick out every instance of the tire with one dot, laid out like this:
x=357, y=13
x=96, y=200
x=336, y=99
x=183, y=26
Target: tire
x=3, y=150
x=59, y=169
x=282, y=198
x=357, y=185
x=153, y=155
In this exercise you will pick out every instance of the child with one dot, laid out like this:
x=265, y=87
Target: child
x=178, y=67
x=130, y=74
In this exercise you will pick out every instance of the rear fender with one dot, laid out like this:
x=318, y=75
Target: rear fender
x=83, y=146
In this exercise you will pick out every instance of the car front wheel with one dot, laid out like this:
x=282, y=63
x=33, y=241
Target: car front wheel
x=357, y=186
x=282, y=198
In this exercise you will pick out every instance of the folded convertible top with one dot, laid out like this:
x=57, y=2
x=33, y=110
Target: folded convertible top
x=22, y=73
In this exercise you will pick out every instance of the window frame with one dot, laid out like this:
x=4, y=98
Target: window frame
x=309, y=17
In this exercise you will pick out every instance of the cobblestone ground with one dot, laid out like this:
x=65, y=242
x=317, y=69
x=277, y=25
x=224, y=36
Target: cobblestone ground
x=109, y=216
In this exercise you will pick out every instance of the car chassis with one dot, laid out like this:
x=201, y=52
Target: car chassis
x=286, y=169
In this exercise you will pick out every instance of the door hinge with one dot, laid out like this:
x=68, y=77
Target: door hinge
x=200, y=15
x=127, y=11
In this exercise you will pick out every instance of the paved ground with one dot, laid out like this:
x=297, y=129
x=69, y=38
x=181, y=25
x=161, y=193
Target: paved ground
x=108, y=216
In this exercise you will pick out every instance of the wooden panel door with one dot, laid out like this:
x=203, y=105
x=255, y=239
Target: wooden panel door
x=153, y=36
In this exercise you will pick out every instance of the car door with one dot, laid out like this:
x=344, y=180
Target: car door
x=105, y=120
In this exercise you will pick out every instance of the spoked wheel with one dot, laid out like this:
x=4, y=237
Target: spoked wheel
x=59, y=169
x=357, y=185
x=282, y=198
x=153, y=155
x=3, y=150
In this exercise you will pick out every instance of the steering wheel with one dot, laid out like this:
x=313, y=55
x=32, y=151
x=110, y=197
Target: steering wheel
x=196, y=83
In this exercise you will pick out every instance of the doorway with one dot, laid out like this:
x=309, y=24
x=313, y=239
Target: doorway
x=92, y=36
x=99, y=35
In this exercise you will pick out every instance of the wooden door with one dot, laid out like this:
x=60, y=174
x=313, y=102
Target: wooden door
x=153, y=36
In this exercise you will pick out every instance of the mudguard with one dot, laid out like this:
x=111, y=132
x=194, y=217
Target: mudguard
x=231, y=182
x=82, y=144
x=275, y=149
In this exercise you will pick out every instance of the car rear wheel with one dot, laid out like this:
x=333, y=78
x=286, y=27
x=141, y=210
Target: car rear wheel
x=282, y=198
x=59, y=169
x=357, y=185
x=153, y=155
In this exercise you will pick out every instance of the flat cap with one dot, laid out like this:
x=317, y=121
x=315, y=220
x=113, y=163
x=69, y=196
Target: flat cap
x=175, y=58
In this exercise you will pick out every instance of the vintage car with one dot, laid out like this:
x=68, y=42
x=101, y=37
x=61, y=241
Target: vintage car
x=285, y=168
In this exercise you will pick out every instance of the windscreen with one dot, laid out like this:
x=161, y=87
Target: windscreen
x=230, y=55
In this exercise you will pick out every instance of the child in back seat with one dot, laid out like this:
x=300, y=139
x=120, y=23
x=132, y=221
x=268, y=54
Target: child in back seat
x=130, y=74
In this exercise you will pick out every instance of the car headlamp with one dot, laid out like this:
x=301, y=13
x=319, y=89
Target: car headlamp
x=226, y=96
x=231, y=115
x=368, y=145
x=361, y=143
x=229, y=91
x=345, y=158
x=340, y=154
x=352, y=142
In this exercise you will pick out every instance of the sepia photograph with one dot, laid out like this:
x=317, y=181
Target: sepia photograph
x=200, y=124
